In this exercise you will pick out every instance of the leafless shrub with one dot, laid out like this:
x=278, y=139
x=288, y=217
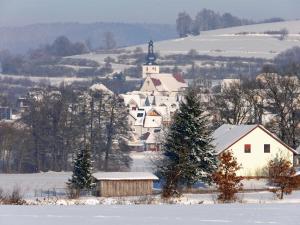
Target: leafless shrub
x=145, y=200
x=72, y=193
x=13, y=198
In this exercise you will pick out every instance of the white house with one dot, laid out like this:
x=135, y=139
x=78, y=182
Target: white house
x=253, y=146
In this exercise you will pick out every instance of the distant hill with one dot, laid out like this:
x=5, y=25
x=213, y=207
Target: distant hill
x=259, y=40
x=21, y=39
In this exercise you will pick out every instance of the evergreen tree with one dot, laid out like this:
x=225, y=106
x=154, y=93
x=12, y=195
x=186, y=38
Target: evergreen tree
x=82, y=172
x=189, y=156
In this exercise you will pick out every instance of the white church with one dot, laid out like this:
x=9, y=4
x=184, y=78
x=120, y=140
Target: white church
x=152, y=107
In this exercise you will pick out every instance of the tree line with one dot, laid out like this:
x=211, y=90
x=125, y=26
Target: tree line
x=48, y=60
x=275, y=93
x=208, y=19
x=59, y=123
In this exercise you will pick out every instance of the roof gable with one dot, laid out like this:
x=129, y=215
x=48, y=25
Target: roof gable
x=153, y=112
x=227, y=135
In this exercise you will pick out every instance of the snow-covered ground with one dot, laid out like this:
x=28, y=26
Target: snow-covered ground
x=51, y=186
x=233, y=214
x=227, y=42
x=56, y=81
x=32, y=185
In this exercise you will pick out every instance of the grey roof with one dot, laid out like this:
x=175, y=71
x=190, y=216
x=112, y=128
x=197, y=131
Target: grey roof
x=124, y=176
x=227, y=134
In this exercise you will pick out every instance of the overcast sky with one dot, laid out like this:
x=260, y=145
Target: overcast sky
x=21, y=12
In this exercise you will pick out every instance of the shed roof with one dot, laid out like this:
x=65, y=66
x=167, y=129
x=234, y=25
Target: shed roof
x=124, y=176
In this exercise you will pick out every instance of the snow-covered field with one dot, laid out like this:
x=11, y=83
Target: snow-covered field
x=56, y=81
x=233, y=214
x=227, y=42
x=31, y=185
x=51, y=186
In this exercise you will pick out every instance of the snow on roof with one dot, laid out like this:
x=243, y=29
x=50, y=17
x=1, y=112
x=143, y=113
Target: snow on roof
x=168, y=82
x=227, y=134
x=132, y=98
x=124, y=176
x=100, y=87
x=153, y=121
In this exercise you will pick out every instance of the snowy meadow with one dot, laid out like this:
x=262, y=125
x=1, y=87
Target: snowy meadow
x=234, y=214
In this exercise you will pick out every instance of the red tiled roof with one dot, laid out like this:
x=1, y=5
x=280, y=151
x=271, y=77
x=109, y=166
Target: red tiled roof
x=156, y=82
x=179, y=78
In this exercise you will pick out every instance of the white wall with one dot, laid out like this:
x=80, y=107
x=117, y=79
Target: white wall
x=148, y=86
x=253, y=163
x=150, y=69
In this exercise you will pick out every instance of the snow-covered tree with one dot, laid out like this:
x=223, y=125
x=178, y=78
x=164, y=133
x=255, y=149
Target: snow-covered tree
x=82, y=172
x=189, y=155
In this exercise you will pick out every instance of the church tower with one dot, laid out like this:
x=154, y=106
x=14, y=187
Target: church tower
x=150, y=67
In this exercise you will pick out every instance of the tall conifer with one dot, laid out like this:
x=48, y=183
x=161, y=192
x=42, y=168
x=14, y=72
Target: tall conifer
x=189, y=155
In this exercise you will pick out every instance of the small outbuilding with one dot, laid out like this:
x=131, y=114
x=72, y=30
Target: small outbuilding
x=117, y=184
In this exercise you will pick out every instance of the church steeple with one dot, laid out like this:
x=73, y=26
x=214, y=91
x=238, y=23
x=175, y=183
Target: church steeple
x=150, y=67
x=151, y=57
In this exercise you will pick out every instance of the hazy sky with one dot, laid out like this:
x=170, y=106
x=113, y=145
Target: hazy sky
x=20, y=12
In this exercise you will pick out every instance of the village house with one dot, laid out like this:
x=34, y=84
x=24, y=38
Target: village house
x=253, y=146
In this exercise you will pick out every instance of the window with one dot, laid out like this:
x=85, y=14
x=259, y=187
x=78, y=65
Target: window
x=140, y=114
x=247, y=148
x=267, y=148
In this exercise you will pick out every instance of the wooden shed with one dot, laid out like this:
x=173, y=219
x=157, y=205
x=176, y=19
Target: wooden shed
x=116, y=184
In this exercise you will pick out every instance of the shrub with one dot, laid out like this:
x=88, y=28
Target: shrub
x=13, y=198
x=282, y=176
x=228, y=183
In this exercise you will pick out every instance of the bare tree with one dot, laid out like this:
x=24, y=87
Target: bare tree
x=282, y=96
x=183, y=24
x=109, y=41
x=232, y=105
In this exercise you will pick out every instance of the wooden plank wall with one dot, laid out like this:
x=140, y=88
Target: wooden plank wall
x=118, y=188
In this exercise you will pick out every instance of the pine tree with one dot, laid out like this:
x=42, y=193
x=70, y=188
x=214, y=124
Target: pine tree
x=226, y=179
x=189, y=155
x=82, y=172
